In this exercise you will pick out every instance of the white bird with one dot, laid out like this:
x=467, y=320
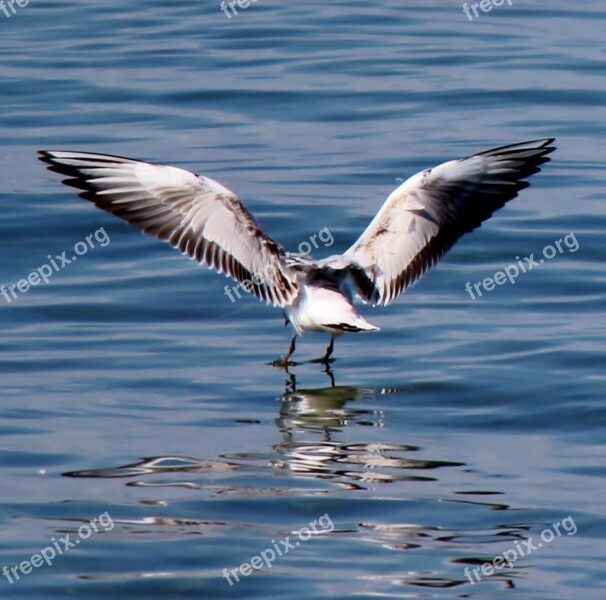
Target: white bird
x=416, y=225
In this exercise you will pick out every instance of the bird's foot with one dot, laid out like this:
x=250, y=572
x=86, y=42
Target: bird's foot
x=283, y=363
x=325, y=360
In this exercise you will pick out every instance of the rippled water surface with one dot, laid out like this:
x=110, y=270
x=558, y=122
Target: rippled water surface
x=135, y=392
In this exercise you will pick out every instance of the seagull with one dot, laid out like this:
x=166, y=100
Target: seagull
x=417, y=224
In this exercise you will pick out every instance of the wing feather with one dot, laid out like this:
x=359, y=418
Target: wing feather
x=193, y=213
x=424, y=217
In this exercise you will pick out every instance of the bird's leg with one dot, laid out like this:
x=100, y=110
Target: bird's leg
x=329, y=350
x=283, y=362
x=291, y=348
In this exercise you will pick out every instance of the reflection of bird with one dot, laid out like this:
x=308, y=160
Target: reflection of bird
x=418, y=223
x=311, y=422
x=322, y=408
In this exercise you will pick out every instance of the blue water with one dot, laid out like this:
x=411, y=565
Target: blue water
x=135, y=392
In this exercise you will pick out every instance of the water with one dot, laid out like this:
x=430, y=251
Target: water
x=136, y=393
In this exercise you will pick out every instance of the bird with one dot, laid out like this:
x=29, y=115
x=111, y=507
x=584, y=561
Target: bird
x=416, y=225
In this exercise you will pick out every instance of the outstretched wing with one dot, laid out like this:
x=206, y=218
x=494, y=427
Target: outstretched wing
x=193, y=213
x=424, y=217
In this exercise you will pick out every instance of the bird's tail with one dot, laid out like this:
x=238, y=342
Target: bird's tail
x=355, y=324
